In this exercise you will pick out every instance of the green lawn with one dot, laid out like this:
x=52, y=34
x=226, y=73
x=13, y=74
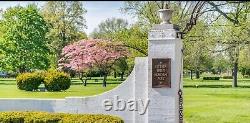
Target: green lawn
x=204, y=101
x=211, y=104
x=8, y=89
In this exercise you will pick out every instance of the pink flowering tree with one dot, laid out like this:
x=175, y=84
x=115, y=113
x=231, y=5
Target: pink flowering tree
x=83, y=55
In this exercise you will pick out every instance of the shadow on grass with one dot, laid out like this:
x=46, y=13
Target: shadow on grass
x=5, y=83
x=92, y=83
x=95, y=83
x=215, y=86
x=10, y=80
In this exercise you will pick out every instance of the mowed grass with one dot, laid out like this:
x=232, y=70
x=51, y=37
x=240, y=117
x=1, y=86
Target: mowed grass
x=209, y=103
x=204, y=101
x=8, y=89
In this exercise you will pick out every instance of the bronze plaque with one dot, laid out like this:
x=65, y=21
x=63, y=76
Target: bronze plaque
x=161, y=73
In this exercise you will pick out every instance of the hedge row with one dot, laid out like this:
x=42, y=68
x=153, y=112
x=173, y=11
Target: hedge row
x=211, y=78
x=246, y=76
x=217, y=78
x=45, y=117
x=227, y=77
x=52, y=79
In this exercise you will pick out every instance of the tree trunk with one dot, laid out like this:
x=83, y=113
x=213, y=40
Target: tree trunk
x=235, y=72
x=104, y=80
x=220, y=70
x=191, y=74
x=232, y=72
x=244, y=72
x=115, y=74
x=197, y=74
x=235, y=69
x=85, y=82
x=122, y=75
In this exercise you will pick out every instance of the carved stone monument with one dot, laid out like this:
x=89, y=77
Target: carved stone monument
x=164, y=44
x=148, y=95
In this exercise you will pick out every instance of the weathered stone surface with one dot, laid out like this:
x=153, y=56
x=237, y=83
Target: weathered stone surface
x=135, y=87
x=163, y=102
x=165, y=27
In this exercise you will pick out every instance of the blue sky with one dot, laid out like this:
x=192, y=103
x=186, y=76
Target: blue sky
x=101, y=10
x=97, y=11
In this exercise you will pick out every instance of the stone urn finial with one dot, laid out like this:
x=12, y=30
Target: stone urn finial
x=165, y=15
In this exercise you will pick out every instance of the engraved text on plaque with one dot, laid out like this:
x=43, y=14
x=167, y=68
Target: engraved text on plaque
x=161, y=73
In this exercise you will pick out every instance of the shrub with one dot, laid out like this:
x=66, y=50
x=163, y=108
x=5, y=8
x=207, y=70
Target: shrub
x=29, y=81
x=56, y=81
x=246, y=76
x=227, y=77
x=41, y=73
x=211, y=78
x=45, y=117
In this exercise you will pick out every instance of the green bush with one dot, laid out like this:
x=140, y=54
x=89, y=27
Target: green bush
x=45, y=117
x=211, y=78
x=29, y=81
x=52, y=79
x=41, y=73
x=227, y=77
x=246, y=76
x=57, y=81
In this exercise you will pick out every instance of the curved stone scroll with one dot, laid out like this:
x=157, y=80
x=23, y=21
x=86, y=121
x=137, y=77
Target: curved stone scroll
x=133, y=88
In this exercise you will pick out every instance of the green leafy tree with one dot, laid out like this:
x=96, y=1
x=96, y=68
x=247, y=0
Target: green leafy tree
x=244, y=63
x=108, y=27
x=197, y=50
x=233, y=33
x=66, y=19
x=221, y=63
x=23, y=42
x=133, y=37
x=121, y=66
x=186, y=13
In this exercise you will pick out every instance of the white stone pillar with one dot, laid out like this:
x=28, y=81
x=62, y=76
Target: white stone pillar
x=163, y=42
